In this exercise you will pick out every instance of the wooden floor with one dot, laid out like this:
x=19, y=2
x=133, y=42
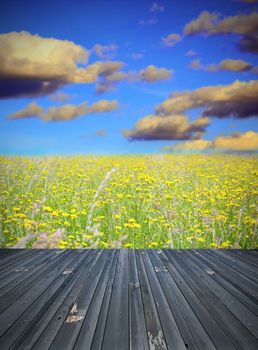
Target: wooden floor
x=128, y=299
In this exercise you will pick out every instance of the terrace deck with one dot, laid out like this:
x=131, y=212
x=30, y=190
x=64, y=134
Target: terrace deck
x=128, y=299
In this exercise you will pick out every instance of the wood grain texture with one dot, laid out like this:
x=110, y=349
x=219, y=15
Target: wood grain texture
x=128, y=299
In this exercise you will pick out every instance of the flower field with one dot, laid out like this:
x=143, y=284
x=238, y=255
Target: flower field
x=173, y=201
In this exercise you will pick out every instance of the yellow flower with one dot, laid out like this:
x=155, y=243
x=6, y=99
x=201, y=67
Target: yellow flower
x=168, y=196
x=73, y=216
x=131, y=220
x=103, y=244
x=47, y=209
x=201, y=239
x=20, y=215
x=132, y=224
x=225, y=244
x=62, y=244
x=16, y=209
x=128, y=245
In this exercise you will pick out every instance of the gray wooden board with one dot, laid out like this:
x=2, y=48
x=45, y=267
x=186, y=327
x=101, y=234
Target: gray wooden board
x=128, y=299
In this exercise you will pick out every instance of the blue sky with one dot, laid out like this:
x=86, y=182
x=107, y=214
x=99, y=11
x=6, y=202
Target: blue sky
x=136, y=29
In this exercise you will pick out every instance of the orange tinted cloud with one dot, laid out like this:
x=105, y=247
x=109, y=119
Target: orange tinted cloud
x=237, y=142
x=105, y=51
x=173, y=127
x=34, y=66
x=153, y=74
x=228, y=64
x=212, y=23
x=65, y=112
x=171, y=39
x=238, y=99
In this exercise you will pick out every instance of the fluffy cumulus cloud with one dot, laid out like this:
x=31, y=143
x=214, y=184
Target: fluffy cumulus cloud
x=34, y=66
x=171, y=40
x=96, y=70
x=173, y=127
x=65, y=112
x=234, y=65
x=191, y=145
x=152, y=74
x=231, y=65
x=105, y=51
x=238, y=100
x=237, y=142
x=31, y=111
x=212, y=23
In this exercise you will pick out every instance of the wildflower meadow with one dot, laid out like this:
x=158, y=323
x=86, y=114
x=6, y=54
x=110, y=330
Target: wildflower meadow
x=154, y=201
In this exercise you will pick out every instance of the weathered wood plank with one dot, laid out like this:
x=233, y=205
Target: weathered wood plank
x=128, y=299
x=87, y=330
x=138, y=334
x=169, y=326
x=31, y=280
x=222, y=305
x=12, y=277
x=116, y=334
x=100, y=327
x=18, y=304
x=229, y=275
x=69, y=331
x=5, y=253
x=38, y=307
x=88, y=326
x=248, y=258
x=244, y=269
x=153, y=326
x=193, y=333
x=46, y=327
